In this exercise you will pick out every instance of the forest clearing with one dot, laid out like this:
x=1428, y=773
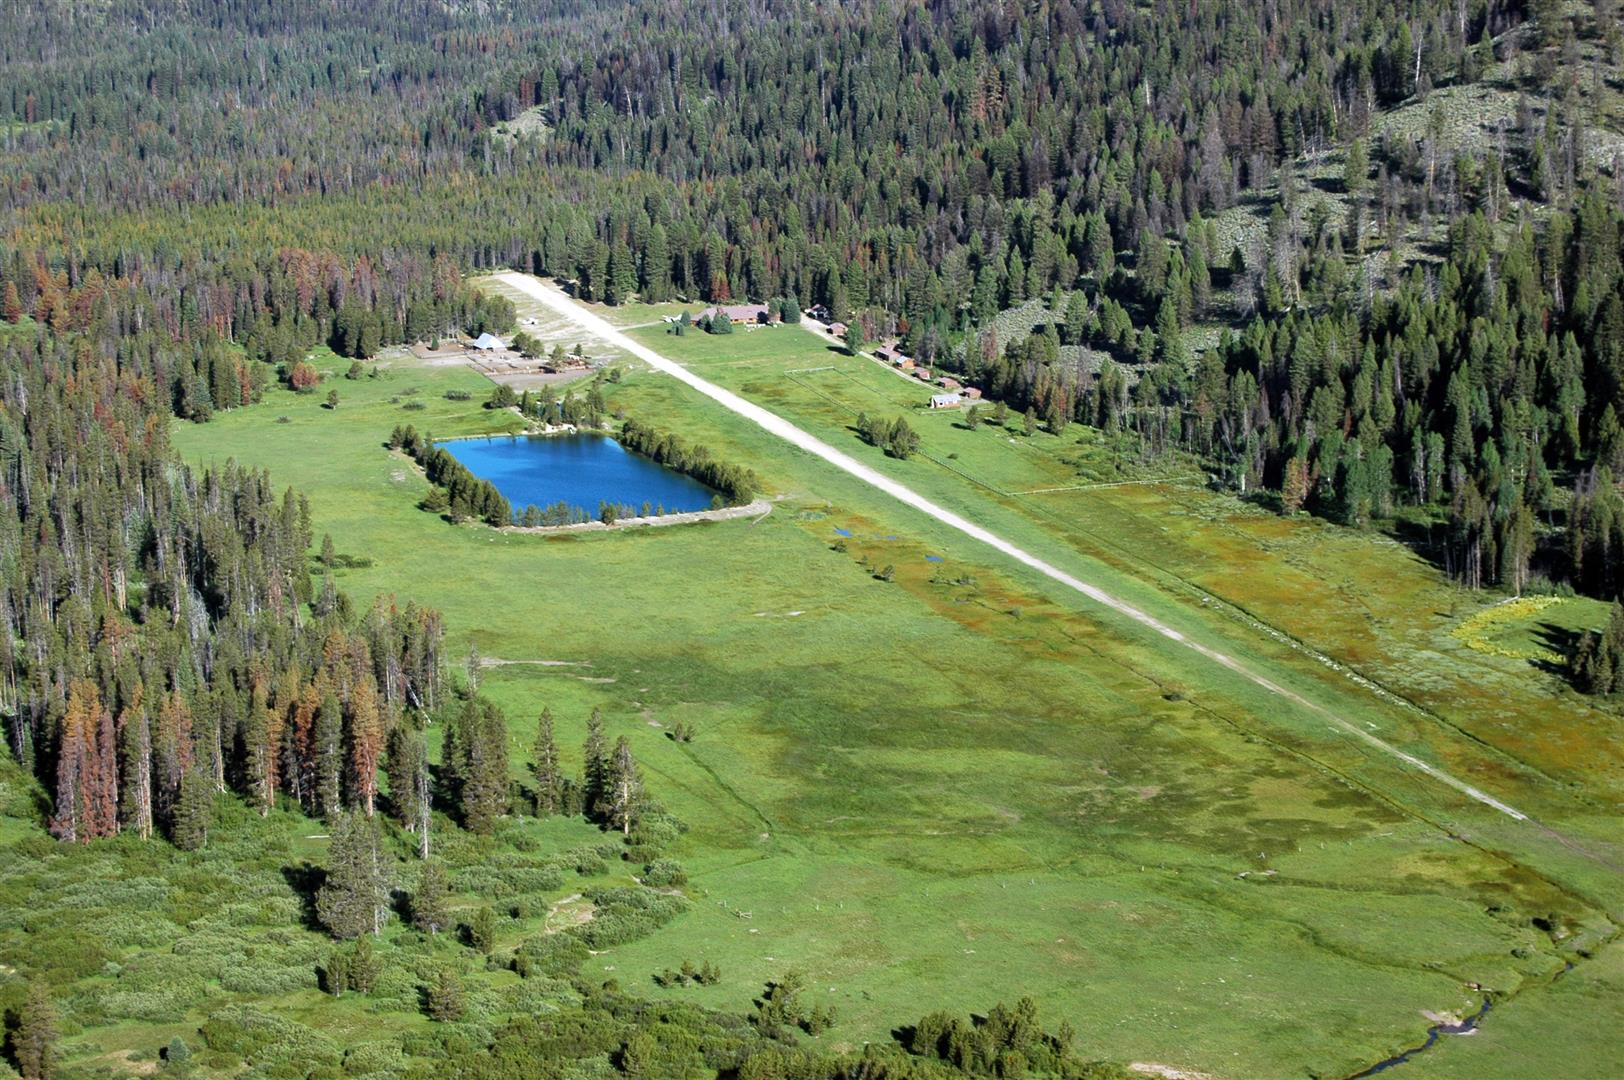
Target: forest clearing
x=1113, y=817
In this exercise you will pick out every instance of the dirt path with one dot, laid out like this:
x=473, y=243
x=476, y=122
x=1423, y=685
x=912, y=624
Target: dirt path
x=556, y=300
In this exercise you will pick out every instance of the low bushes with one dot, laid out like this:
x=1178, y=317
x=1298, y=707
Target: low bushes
x=664, y=873
x=550, y=955
x=626, y=914
x=279, y=1047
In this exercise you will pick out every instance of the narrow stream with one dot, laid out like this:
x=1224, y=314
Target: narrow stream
x=1461, y=1028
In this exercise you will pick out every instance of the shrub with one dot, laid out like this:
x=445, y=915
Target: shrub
x=551, y=955
x=383, y=1058
x=664, y=873
x=303, y=377
x=247, y=1034
x=626, y=914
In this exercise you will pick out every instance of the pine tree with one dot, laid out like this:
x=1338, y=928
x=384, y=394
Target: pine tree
x=33, y=1042
x=622, y=274
x=549, y=777
x=364, y=966
x=657, y=265
x=594, y=766
x=406, y=758
x=300, y=768
x=625, y=789
x=429, y=911
x=135, y=755
x=597, y=272
x=445, y=997
x=354, y=900
x=1076, y=319
x=368, y=731
x=484, y=793
x=329, y=755
x=87, y=771
x=194, y=811
x=172, y=752
x=11, y=305
x=259, y=743
x=854, y=340
x=482, y=930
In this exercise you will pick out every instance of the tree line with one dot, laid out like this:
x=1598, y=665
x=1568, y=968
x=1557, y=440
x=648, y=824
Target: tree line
x=155, y=642
x=737, y=484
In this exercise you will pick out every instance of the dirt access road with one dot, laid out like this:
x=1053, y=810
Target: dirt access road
x=556, y=300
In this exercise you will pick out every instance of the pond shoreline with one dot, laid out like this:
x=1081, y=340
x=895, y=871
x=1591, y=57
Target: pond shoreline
x=759, y=508
x=531, y=432
x=578, y=470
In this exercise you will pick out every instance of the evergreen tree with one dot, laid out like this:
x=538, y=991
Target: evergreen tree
x=622, y=271
x=364, y=965
x=854, y=339
x=329, y=755
x=446, y=1002
x=135, y=753
x=429, y=909
x=33, y=1042
x=354, y=899
x=193, y=815
x=482, y=930
x=407, y=766
x=1076, y=318
x=595, y=767
x=657, y=266
x=368, y=730
x=548, y=773
x=1598, y=659
x=625, y=789
x=901, y=441
x=484, y=788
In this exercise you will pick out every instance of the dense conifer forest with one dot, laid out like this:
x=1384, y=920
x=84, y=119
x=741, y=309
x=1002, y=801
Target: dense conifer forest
x=191, y=200
x=918, y=169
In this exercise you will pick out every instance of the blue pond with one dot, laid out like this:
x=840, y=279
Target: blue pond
x=581, y=470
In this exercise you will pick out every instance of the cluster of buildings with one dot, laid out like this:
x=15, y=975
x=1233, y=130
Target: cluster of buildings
x=491, y=354
x=821, y=314
x=952, y=393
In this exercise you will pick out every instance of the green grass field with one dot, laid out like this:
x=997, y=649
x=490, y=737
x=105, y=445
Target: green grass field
x=957, y=787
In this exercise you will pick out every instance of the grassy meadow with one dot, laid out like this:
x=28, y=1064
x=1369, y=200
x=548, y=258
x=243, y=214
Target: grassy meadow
x=956, y=786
